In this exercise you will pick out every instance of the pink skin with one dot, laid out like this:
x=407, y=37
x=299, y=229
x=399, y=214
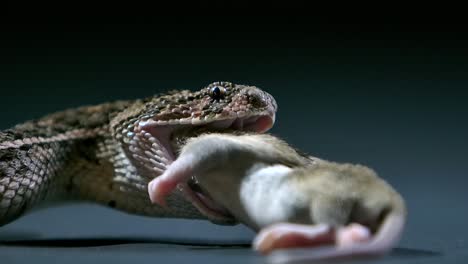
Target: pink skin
x=287, y=235
x=178, y=172
x=177, y=176
x=350, y=242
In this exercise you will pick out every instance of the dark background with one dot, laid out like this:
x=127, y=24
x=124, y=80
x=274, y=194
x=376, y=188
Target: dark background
x=390, y=95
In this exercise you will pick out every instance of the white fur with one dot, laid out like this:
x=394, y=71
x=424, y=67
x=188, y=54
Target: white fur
x=264, y=197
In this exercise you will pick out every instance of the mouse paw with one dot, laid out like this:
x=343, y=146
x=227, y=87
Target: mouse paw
x=159, y=188
x=179, y=171
x=286, y=235
x=352, y=234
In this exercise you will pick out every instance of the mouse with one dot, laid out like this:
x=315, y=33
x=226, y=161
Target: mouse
x=303, y=208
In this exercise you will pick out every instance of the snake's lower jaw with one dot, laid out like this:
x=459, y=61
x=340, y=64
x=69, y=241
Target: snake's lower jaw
x=262, y=124
x=258, y=124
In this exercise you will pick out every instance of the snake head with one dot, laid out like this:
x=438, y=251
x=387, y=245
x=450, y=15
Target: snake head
x=147, y=129
x=216, y=107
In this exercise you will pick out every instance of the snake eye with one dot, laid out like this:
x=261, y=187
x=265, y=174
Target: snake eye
x=217, y=92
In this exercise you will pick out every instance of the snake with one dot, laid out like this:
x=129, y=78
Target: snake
x=109, y=152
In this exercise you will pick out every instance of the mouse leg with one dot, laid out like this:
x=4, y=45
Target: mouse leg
x=179, y=172
x=352, y=234
x=287, y=235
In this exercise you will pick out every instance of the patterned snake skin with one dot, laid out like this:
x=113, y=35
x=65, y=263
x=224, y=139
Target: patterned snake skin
x=108, y=153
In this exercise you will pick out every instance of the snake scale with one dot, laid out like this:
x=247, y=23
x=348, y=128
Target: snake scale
x=108, y=153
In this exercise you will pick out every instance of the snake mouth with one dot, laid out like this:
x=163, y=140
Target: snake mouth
x=171, y=135
x=255, y=123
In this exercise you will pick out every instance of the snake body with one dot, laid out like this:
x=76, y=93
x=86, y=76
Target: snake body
x=108, y=153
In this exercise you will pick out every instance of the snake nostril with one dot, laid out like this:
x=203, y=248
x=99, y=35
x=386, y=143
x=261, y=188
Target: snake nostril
x=257, y=101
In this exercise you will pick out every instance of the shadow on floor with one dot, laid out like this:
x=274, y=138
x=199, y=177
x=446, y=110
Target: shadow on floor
x=97, y=242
